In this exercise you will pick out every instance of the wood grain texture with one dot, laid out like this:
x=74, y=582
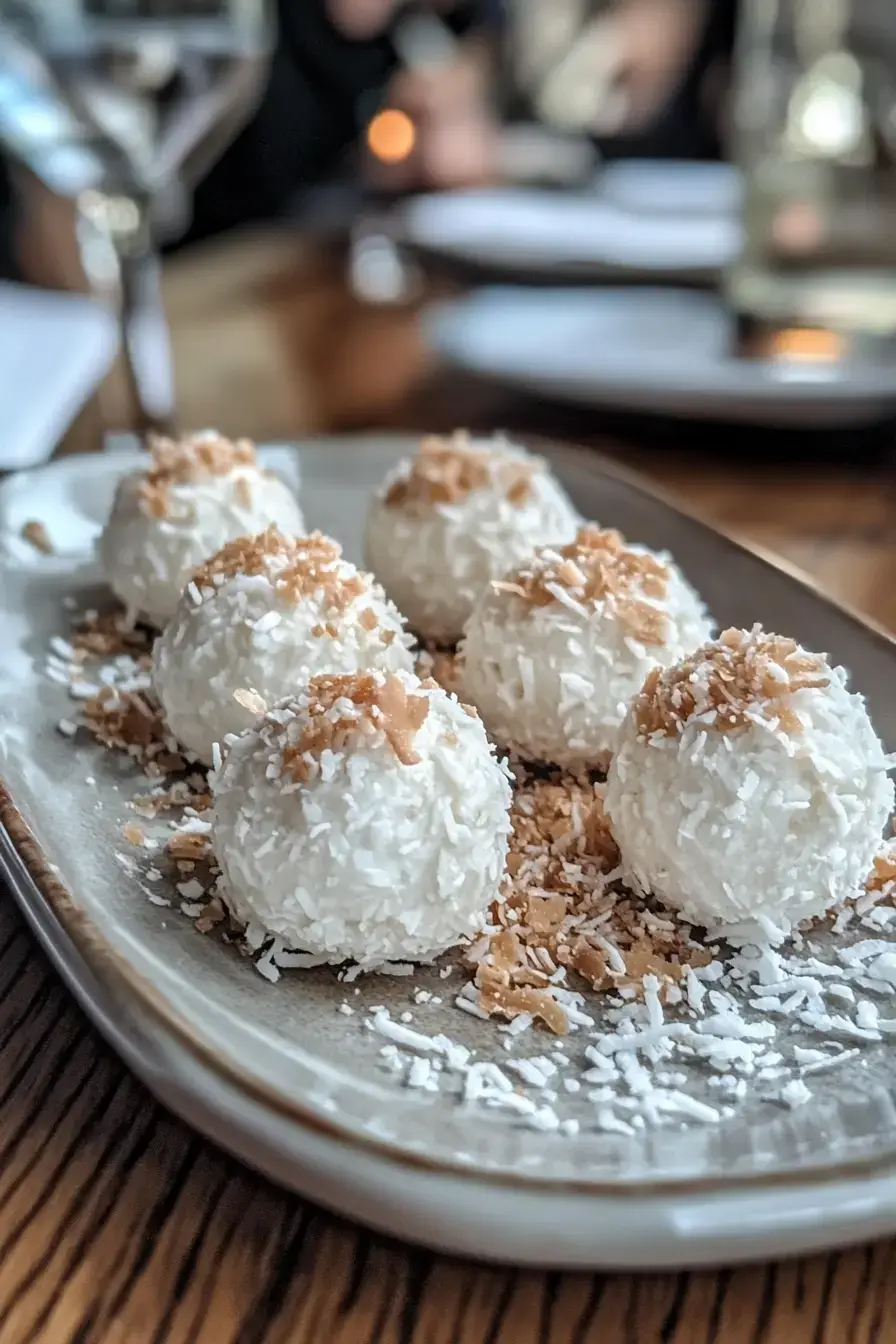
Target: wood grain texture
x=118, y=1225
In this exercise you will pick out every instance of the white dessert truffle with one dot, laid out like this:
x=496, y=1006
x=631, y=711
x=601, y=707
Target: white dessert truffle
x=554, y=651
x=459, y=514
x=365, y=819
x=749, y=783
x=193, y=496
x=266, y=614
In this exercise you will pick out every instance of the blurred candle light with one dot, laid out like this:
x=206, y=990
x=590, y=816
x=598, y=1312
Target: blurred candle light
x=813, y=344
x=391, y=136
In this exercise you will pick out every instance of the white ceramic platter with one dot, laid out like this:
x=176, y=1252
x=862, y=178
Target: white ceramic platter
x=277, y=1075
x=666, y=351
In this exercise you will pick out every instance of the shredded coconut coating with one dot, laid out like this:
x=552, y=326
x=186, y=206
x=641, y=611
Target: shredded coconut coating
x=553, y=652
x=436, y=537
x=259, y=619
x=729, y=681
x=365, y=818
x=749, y=782
x=167, y=519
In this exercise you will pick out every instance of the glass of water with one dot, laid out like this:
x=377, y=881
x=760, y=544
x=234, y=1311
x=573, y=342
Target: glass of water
x=815, y=137
x=156, y=89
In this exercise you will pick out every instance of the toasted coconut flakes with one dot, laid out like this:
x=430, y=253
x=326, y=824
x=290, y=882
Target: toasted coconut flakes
x=252, y=701
x=108, y=636
x=189, y=460
x=727, y=681
x=297, y=567
x=560, y=911
x=447, y=470
x=599, y=567
x=884, y=870
x=188, y=846
x=150, y=805
x=442, y=667
x=36, y=534
x=126, y=721
x=213, y=913
x=133, y=834
x=247, y=555
x=385, y=708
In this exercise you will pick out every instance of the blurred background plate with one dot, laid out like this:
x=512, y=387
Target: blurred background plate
x=658, y=350
x=675, y=187
x=564, y=235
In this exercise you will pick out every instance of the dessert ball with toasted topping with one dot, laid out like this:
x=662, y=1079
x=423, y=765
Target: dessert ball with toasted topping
x=749, y=783
x=364, y=819
x=193, y=496
x=554, y=651
x=459, y=514
x=266, y=614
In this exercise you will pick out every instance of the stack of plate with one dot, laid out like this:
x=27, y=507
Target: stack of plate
x=663, y=342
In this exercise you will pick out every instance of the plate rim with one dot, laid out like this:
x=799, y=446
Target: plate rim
x=37, y=880
x=772, y=395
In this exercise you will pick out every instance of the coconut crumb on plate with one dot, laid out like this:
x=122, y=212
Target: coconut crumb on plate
x=36, y=534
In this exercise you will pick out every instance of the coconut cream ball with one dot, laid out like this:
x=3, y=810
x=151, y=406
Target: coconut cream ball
x=193, y=496
x=462, y=512
x=749, y=783
x=554, y=651
x=268, y=613
x=365, y=818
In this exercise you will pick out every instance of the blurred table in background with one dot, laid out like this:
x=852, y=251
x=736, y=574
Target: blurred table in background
x=269, y=342
x=120, y=1226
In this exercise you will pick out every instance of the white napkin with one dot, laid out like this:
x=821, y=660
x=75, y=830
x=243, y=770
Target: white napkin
x=55, y=350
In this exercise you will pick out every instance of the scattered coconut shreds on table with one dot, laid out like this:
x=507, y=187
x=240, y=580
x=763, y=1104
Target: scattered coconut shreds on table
x=627, y=1015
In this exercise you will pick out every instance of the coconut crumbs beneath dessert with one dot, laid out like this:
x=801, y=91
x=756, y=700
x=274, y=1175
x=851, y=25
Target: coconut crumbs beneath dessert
x=448, y=470
x=599, y=567
x=562, y=912
x=739, y=675
x=187, y=461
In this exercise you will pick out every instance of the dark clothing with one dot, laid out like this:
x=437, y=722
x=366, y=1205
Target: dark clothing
x=321, y=92
x=323, y=88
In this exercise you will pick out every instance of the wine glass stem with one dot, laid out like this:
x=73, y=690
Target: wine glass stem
x=125, y=267
x=145, y=342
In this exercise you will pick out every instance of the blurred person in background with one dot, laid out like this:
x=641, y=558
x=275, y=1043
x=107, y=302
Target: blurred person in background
x=643, y=78
x=640, y=77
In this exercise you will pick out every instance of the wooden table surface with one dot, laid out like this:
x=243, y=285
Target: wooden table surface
x=120, y=1225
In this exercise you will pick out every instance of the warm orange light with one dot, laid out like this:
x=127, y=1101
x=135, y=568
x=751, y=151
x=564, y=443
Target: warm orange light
x=391, y=136
x=809, y=343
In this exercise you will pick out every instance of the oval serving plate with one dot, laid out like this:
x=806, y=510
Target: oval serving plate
x=280, y=1076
